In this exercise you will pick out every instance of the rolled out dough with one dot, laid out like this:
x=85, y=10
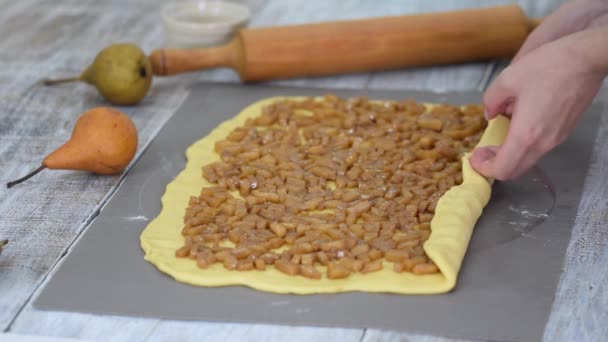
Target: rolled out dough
x=451, y=228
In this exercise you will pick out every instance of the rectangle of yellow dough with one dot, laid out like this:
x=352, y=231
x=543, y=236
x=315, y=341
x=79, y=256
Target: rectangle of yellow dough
x=455, y=216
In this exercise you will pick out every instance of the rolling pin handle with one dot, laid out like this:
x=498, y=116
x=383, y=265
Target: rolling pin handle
x=158, y=61
x=166, y=62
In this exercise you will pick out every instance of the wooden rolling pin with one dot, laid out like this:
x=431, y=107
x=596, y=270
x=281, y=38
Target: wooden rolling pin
x=358, y=45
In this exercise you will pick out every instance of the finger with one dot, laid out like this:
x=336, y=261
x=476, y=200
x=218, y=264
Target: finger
x=526, y=164
x=508, y=157
x=497, y=98
x=508, y=108
x=535, y=151
x=527, y=132
x=483, y=158
x=552, y=27
x=482, y=155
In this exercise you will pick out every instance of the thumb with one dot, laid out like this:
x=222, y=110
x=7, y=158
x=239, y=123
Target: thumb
x=481, y=159
x=498, y=98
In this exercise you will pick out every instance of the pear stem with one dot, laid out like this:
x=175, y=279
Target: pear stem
x=26, y=177
x=48, y=82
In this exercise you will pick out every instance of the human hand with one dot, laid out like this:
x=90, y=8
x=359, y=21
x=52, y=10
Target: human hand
x=571, y=17
x=544, y=92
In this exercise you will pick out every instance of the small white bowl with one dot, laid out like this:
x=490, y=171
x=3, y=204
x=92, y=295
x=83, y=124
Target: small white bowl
x=201, y=23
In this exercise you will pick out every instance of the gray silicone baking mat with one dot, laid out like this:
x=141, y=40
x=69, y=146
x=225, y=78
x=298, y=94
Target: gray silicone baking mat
x=506, y=285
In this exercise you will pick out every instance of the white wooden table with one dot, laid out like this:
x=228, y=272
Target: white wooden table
x=45, y=217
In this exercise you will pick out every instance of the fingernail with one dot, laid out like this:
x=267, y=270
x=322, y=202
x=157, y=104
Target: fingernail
x=509, y=108
x=486, y=114
x=483, y=155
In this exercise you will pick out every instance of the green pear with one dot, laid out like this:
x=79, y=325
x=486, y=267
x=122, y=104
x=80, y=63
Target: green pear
x=122, y=74
x=2, y=244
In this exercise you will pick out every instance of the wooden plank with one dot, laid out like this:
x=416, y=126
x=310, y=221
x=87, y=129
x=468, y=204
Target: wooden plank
x=193, y=331
x=33, y=120
x=378, y=335
x=580, y=309
x=42, y=217
x=31, y=338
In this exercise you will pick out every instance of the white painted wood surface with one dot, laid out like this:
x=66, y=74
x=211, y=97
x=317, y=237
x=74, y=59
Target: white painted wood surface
x=44, y=217
x=8, y=337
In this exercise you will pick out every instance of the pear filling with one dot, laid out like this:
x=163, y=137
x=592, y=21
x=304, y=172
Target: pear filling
x=330, y=187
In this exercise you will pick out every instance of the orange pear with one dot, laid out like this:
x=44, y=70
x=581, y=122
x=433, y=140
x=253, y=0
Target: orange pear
x=104, y=141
